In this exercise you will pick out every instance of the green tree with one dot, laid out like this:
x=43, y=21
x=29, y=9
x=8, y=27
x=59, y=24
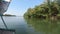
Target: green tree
x=45, y=9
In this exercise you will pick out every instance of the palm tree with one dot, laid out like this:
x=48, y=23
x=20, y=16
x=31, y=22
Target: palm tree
x=48, y=4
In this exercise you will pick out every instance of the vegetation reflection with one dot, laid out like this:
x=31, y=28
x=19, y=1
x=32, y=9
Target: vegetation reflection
x=44, y=26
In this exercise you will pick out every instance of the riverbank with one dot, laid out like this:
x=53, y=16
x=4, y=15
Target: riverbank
x=44, y=11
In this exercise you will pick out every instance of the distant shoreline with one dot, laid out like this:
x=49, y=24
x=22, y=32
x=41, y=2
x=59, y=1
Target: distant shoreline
x=9, y=15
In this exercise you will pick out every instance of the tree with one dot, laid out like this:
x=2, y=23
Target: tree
x=46, y=9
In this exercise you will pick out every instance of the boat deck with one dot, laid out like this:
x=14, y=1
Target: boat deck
x=4, y=31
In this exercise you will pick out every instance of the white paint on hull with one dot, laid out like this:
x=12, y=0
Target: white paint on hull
x=8, y=0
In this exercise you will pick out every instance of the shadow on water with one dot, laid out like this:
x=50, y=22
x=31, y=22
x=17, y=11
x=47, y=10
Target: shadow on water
x=44, y=26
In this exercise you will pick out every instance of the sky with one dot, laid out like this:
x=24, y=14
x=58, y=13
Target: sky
x=19, y=7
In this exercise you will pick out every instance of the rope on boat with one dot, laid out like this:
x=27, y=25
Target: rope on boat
x=4, y=22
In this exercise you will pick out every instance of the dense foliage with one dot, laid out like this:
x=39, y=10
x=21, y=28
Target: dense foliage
x=45, y=9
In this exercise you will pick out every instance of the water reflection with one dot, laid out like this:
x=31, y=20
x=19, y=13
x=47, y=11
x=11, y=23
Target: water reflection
x=44, y=26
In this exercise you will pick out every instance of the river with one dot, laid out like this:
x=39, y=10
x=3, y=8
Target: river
x=31, y=26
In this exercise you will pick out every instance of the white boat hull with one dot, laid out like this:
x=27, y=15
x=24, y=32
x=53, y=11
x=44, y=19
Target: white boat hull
x=3, y=6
